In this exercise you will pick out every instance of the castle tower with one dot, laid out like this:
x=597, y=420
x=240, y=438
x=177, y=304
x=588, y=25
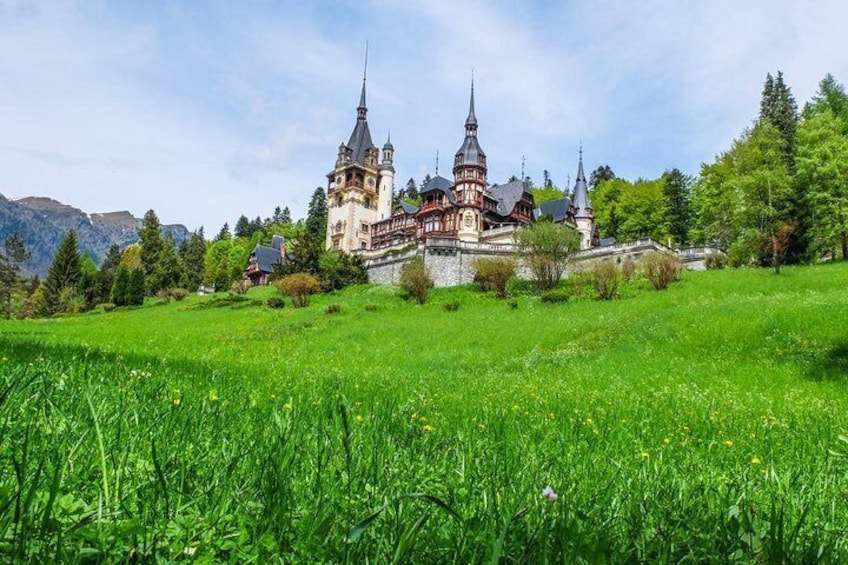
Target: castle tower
x=387, y=181
x=469, y=172
x=352, y=186
x=584, y=217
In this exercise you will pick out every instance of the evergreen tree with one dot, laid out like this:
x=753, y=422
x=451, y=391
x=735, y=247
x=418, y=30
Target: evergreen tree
x=778, y=106
x=277, y=216
x=193, y=255
x=62, y=278
x=546, y=179
x=316, y=217
x=424, y=182
x=255, y=225
x=602, y=173
x=169, y=271
x=152, y=244
x=242, y=227
x=831, y=95
x=676, y=193
x=106, y=275
x=285, y=217
x=512, y=178
x=120, y=286
x=135, y=288
x=411, y=191
x=224, y=233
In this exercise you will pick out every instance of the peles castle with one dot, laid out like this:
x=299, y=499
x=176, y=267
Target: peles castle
x=458, y=220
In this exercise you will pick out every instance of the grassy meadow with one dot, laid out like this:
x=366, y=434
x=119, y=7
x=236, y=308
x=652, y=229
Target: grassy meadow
x=705, y=423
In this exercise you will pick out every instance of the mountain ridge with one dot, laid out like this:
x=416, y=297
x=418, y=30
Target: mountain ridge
x=43, y=222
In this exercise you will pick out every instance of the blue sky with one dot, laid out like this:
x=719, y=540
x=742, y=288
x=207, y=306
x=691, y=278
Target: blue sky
x=207, y=110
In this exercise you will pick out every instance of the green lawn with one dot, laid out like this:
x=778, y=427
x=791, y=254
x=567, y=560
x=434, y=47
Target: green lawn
x=701, y=423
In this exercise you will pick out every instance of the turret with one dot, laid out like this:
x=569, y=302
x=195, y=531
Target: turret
x=387, y=184
x=584, y=215
x=469, y=171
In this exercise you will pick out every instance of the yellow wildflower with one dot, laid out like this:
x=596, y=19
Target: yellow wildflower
x=359, y=418
x=755, y=461
x=176, y=402
x=728, y=443
x=645, y=454
x=666, y=441
x=287, y=405
x=213, y=397
x=427, y=428
x=590, y=421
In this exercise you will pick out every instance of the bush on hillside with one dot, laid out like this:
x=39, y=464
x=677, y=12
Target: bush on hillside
x=661, y=269
x=580, y=279
x=493, y=274
x=163, y=295
x=415, y=279
x=605, y=279
x=555, y=296
x=547, y=248
x=178, y=294
x=108, y=307
x=276, y=302
x=513, y=304
x=451, y=306
x=715, y=261
x=298, y=287
x=628, y=268
x=239, y=287
x=333, y=309
x=370, y=307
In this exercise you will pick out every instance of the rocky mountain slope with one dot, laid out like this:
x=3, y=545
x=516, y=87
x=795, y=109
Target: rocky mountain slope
x=43, y=222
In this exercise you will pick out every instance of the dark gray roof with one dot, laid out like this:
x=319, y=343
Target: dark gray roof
x=556, y=209
x=508, y=195
x=441, y=184
x=278, y=241
x=607, y=241
x=360, y=138
x=581, y=192
x=470, y=149
x=408, y=208
x=266, y=257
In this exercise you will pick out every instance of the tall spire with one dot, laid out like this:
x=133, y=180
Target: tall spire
x=362, y=110
x=471, y=120
x=581, y=191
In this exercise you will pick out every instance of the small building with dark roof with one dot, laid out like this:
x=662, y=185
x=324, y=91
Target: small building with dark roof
x=262, y=259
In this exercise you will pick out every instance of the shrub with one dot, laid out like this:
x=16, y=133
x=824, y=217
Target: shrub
x=493, y=274
x=628, y=268
x=580, y=279
x=370, y=307
x=298, y=286
x=333, y=309
x=451, y=306
x=275, y=302
x=415, y=279
x=178, y=294
x=661, y=269
x=163, y=295
x=513, y=304
x=239, y=287
x=715, y=261
x=108, y=306
x=546, y=248
x=605, y=279
x=554, y=296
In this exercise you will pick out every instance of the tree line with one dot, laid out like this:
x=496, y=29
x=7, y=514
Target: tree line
x=156, y=265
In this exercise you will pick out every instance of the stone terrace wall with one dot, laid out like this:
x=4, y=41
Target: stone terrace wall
x=451, y=262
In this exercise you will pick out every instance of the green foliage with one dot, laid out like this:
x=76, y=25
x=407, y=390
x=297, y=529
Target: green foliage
x=62, y=279
x=193, y=256
x=547, y=247
x=493, y=274
x=451, y=306
x=275, y=302
x=715, y=261
x=338, y=270
x=606, y=279
x=178, y=294
x=316, y=217
x=333, y=309
x=14, y=253
x=546, y=194
x=661, y=269
x=822, y=165
x=599, y=175
x=676, y=194
x=298, y=287
x=120, y=286
x=415, y=279
x=136, y=288
x=555, y=296
x=778, y=107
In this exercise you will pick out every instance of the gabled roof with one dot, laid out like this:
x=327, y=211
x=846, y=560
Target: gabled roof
x=508, y=195
x=440, y=184
x=266, y=257
x=556, y=209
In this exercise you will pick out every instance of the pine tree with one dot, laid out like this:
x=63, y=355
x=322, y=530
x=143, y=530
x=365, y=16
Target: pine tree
x=62, y=278
x=135, y=288
x=13, y=255
x=602, y=173
x=411, y=192
x=120, y=286
x=242, y=227
x=285, y=217
x=778, y=106
x=676, y=192
x=546, y=179
x=106, y=275
x=150, y=236
x=223, y=234
x=193, y=255
x=316, y=217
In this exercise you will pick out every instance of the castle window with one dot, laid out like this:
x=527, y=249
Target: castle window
x=363, y=244
x=363, y=227
x=367, y=201
x=339, y=201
